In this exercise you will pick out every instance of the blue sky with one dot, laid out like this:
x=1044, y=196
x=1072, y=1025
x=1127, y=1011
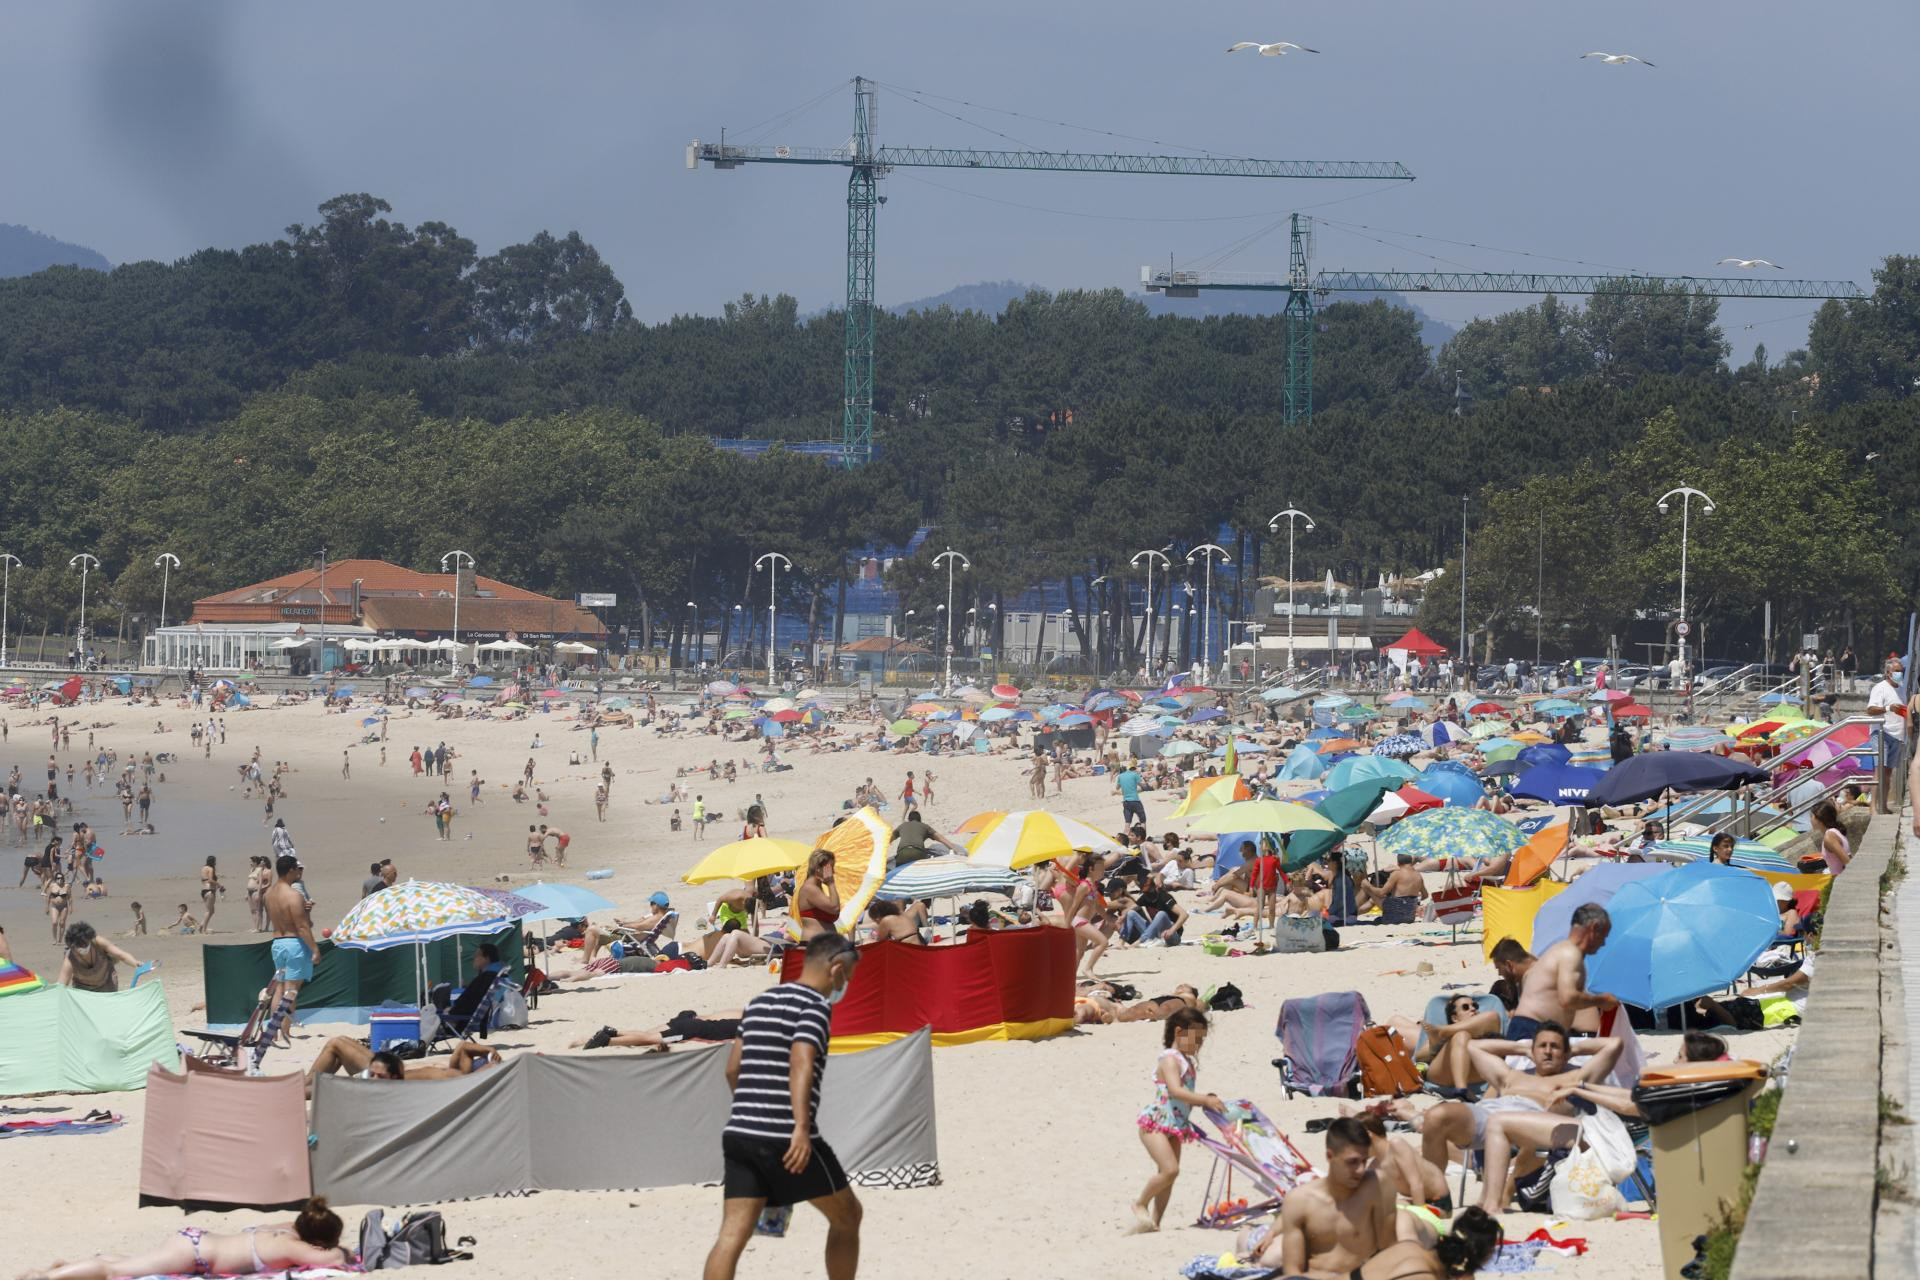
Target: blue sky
x=1767, y=130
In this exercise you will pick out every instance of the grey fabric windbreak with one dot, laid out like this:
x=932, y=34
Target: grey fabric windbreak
x=601, y=1121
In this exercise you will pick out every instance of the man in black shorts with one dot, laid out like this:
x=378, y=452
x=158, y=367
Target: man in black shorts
x=771, y=1145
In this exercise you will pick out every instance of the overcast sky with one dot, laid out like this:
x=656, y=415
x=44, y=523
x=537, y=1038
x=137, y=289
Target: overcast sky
x=1767, y=130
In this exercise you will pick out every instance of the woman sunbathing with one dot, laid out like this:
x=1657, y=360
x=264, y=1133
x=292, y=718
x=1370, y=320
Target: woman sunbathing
x=683, y=1026
x=1445, y=1050
x=310, y=1240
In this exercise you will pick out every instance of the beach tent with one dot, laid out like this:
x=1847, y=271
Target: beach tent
x=1419, y=644
x=216, y=1139
x=63, y=1040
x=608, y=1121
x=346, y=984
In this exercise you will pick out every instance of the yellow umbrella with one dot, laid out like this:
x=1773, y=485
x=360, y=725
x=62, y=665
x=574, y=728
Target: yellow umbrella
x=1263, y=815
x=978, y=821
x=1027, y=836
x=749, y=860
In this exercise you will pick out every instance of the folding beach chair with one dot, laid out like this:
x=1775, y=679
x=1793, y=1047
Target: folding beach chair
x=1246, y=1142
x=1318, y=1039
x=657, y=941
x=469, y=1013
x=222, y=1049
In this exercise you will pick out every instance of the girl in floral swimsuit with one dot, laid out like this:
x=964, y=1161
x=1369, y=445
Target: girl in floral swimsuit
x=1164, y=1124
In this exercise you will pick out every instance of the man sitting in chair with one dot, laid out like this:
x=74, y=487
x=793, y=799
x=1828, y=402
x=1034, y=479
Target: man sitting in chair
x=656, y=926
x=1530, y=1110
x=457, y=1012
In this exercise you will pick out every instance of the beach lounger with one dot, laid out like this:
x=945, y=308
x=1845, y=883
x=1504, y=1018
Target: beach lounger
x=1319, y=1037
x=1245, y=1141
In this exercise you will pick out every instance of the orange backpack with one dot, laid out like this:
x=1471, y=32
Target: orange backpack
x=1386, y=1065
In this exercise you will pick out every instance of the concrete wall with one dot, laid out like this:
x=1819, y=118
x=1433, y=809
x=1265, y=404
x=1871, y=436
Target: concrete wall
x=1813, y=1212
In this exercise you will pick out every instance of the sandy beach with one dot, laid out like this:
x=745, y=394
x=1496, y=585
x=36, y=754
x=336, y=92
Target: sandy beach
x=1060, y=1111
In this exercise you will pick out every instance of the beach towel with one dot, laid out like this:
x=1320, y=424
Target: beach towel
x=92, y=1122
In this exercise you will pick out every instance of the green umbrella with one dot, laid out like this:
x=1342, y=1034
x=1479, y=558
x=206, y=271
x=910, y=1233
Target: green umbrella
x=902, y=728
x=1506, y=752
x=1347, y=808
x=1261, y=815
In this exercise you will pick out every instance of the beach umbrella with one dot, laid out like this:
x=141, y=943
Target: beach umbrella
x=1416, y=800
x=553, y=693
x=344, y=691
x=1205, y=714
x=1281, y=693
x=1441, y=732
x=1106, y=702
x=1598, y=885
x=1361, y=768
x=479, y=682
x=417, y=912
x=749, y=860
x=1750, y=854
x=1184, y=747
x=563, y=901
x=771, y=728
x=1347, y=807
x=1777, y=698
x=1645, y=776
x=1400, y=745
x=1632, y=711
x=1054, y=710
x=787, y=717
x=419, y=691
x=903, y=727
x=1683, y=934
x=1204, y=795
x=1241, y=747
x=1389, y=811
x=1546, y=753
x=936, y=728
x=1504, y=766
x=779, y=704
x=925, y=709
x=1074, y=719
x=1454, y=786
x=618, y=704
x=17, y=981
x=517, y=905
x=993, y=715
x=721, y=688
x=1532, y=859
x=369, y=722
x=946, y=878
x=736, y=713
x=1486, y=709
x=1028, y=836
x=1471, y=834
x=1694, y=737
x=1556, y=709
x=1485, y=729
x=1609, y=695
x=1279, y=816
x=1335, y=746
x=1332, y=700
x=1303, y=763
x=1005, y=691
x=1531, y=738
x=1408, y=702
x=1557, y=784
x=1138, y=725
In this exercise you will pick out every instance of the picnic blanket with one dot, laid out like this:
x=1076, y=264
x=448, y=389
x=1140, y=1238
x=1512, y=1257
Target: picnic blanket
x=92, y=1122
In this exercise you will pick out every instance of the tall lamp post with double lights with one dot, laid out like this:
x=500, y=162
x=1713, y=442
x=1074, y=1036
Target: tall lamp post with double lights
x=8, y=563
x=1150, y=556
x=1207, y=551
x=1293, y=516
x=1686, y=494
x=773, y=560
x=166, y=563
x=455, y=557
x=83, y=562
x=950, y=558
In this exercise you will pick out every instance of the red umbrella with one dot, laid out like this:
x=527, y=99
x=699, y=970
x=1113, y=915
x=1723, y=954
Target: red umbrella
x=787, y=717
x=1486, y=709
x=1417, y=800
x=1005, y=691
x=1631, y=711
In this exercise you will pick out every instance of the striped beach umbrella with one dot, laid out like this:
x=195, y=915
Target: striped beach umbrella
x=946, y=878
x=1028, y=836
x=1750, y=854
x=1400, y=745
x=418, y=911
x=17, y=981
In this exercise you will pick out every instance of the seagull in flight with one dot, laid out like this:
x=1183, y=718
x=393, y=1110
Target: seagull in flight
x=1278, y=49
x=1748, y=264
x=1616, y=59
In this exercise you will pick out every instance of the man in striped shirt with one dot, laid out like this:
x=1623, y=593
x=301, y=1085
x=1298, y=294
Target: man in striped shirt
x=771, y=1145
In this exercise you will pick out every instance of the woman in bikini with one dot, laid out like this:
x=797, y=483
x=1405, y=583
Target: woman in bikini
x=59, y=901
x=210, y=891
x=816, y=904
x=310, y=1240
x=1470, y=1245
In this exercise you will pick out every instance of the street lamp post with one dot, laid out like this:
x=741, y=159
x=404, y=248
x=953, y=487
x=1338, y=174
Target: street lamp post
x=1150, y=557
x=1687, y=495
x=773, y=560
x=950, y=558
x=1210, y=550
x=456, y=557
x=166, y=563
x=1293, y=516
x=8, y=563
x=1465, y=646
x=83, y=562
x=700, y=648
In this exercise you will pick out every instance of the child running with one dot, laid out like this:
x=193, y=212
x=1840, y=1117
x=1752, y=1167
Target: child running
x=1164, y=1123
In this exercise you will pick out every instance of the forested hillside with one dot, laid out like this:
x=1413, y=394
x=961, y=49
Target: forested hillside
x=387, y=391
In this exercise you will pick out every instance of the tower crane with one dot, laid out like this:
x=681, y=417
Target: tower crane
x=1303, y=285
x=867, y=162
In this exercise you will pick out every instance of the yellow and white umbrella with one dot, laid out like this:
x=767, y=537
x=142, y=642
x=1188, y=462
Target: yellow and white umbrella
x=1262, y=815
x=1028, y=836
x=749, y=860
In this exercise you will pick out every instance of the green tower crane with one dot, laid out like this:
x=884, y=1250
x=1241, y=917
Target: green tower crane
x=867, y=162
x=1302, y=285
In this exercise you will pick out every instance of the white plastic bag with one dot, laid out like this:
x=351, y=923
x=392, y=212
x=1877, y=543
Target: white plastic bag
x=1584, y=1186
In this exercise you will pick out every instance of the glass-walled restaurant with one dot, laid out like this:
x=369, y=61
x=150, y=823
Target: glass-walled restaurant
x=284, y=647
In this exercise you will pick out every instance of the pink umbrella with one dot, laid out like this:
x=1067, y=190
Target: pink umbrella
x=553, y=693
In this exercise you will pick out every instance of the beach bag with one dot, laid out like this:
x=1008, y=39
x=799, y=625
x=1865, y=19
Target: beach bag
x=1298, y=933
x=1585, y=1184
x=419, y=1239
x=511, y=1015
x=1386, y=1068
x=1226, y=997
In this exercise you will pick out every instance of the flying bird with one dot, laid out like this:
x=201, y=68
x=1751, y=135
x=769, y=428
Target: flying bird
x=1748, y=264
x=1616, y=59
x=1278, y=49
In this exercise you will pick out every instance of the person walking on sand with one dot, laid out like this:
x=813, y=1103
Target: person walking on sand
x=560, y=842
x=699, y=817
x=210, y=891
x=771, y=1148
x=600, y=802
x=536, y=847
x=1165, y=1123
x=1038, y=778
x=294, y=952
x=906, y=793
x=416, y=762
x=346, y=764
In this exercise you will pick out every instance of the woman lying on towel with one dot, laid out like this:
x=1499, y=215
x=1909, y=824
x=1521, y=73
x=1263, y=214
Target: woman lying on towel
x=310, y=1240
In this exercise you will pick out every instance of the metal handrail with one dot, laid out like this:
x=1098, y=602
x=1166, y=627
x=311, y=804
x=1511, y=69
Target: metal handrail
x=1682, y=811
x=1712, y=692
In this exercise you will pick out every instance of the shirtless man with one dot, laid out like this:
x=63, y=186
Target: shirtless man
x=1525, y=1106
x=647, y=925
x=536, y=846
x=1404, y=884
x=344, y=1053
x=1555, y=988
x=294, y=951
x=1330, y=1226
x=560, y=842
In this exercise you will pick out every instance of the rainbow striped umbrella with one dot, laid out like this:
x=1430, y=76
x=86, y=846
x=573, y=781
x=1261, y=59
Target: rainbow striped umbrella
x=418, y=911
x=17, y=981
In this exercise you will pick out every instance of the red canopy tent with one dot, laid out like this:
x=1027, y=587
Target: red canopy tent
x=1420, y=644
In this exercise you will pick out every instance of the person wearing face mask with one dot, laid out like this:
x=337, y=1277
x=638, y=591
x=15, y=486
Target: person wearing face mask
x=771, y=1147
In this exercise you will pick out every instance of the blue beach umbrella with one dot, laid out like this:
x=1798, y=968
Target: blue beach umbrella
x=1647, y=775
x=1683, y=934
x=1457, y=787
x=1544, y=753
x=1597, y=884
x=1557, y=784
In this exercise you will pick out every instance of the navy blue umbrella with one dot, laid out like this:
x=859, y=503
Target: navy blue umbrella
x=1499, y=767
x=1645, y=776
x=1544, y=753
x=1557, y=783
